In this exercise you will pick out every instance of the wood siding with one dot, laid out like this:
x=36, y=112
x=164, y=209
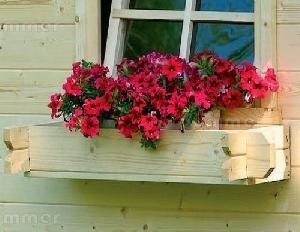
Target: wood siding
x=31, y=70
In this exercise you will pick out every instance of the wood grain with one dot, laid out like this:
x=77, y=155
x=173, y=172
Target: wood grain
x=288, y=47
x=28, y=91
x=108, y=219
x=37, y=47
x=251, y=116
x=289, y=95
x=37, y=12
x=288, y=11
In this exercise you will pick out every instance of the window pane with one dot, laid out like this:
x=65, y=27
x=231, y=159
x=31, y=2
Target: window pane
x=157, y=4
x=226, y=5
x=233, y=41
x=147, y=36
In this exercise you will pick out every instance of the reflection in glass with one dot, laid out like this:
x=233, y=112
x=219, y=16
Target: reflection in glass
x=147, y=36
x=232, y=41
x=157, y=4
x=226, y=5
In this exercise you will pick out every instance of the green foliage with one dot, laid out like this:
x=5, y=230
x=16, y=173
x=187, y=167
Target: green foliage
x=191, y=115
x=206, y=65
x=87, y=64
x=69, y=103
x=124, y=106
x=148, y=144
x=91, y=92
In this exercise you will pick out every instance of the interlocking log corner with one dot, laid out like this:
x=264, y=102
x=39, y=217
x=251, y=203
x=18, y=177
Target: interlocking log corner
x=243, y=156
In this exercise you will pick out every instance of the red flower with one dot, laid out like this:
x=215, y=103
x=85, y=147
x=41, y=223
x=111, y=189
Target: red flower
x=90, y=126
x=172, y=68
x=259, y=88
x=177, y=104
x=71, y=87
x=152, y=133
x=92, y=107
x=55, y=105
x=72, y=123
x=77, y=70
x=202, y=100
x=148, y=122
x=126, y=125
x=232, y=99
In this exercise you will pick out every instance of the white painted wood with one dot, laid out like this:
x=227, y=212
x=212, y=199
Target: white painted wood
x=148, y=14
x=222, y=16
x=187, y=30
x=115, y=38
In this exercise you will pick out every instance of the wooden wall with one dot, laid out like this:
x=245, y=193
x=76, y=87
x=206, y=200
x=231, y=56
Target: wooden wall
x=34, y=63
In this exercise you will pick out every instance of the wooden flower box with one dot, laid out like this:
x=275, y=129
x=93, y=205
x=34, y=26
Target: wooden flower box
x=239, y=154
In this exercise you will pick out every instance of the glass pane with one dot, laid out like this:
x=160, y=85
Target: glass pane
x=157, y=4
x=226, y=5
x=147, y=36
x=232, y=41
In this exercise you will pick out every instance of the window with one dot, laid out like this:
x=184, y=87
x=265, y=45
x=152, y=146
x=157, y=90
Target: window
x=240, y=30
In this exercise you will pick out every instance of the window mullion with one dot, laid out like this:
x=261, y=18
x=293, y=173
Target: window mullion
x=222, y=16
x=187, y=29
x=115, y=37
x=148, y=14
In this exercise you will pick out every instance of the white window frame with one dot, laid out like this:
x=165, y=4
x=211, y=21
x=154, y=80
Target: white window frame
x=88, y=32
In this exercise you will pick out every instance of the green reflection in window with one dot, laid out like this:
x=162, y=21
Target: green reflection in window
x=146, y=36
x=157, y=4
x=229, y=40
x=226, y=5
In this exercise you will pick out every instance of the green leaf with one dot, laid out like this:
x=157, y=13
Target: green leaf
x=148, y=144
x=206, y=66
x=86, y=64
x=191, y=115
x=125, y=106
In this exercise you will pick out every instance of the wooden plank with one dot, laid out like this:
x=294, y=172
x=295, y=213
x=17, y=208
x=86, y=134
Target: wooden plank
x=288, y=11
x=295, y=141
x=48, y=154
x=251, y=116
x=222, y=16
x=289, y=95
x=266, y=41
x=235, y=168
x=89, y=218
x=16, y=138
x=288, y=40
x=17, y=161
x=41, y=47
x=28, y=91
x=37, y=12
x=281, y=170
x=147, y=14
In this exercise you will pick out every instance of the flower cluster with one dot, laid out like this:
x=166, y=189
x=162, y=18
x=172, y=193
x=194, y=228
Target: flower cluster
x=219, y=83
x=154, y=90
